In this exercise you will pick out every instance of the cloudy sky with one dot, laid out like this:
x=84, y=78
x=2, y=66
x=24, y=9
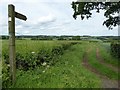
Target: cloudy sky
x=51, y=17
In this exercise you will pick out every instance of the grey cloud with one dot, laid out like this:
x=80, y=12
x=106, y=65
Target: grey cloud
x=43, y=23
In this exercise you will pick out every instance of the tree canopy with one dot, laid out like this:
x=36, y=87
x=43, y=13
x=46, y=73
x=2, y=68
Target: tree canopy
x=112, y=9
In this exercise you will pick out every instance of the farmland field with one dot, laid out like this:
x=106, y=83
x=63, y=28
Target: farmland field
x=61, y=64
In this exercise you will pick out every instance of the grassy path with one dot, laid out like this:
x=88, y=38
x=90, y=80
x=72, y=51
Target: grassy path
x=101, y=60
x=106, y=82
x=90, y=67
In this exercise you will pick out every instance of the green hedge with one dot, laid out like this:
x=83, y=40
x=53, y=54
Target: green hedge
x=32, y=60
x=115, y=49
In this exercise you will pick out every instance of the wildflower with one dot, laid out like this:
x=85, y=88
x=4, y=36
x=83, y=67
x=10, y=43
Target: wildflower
x=43, y=71
x=48, y=66
x=44, y=63
x=32, y=52
x=8, y=65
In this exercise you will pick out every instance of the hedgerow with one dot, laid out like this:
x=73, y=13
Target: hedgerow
x=115, y=49
x=31, y=60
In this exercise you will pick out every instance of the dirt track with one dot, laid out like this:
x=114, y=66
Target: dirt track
x=106, y=82
x=101, y=60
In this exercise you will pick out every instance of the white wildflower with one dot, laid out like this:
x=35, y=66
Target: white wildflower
x=32, y=52
x=48, y=66
x=44, y=64
x=43, y=71
x=8, y=65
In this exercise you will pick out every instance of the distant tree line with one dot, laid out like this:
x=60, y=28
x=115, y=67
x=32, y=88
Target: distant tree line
x=4, y=37
x=43, y=37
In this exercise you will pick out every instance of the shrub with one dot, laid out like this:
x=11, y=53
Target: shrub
x=115, y=49
x=30, y=60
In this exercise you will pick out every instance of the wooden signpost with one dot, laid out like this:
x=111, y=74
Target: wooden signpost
x=11, y=26
x=119, y=24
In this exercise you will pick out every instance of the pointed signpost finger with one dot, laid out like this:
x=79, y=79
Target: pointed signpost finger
x=20, y=16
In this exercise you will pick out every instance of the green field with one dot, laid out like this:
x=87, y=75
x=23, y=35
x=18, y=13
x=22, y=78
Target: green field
x=69, y=64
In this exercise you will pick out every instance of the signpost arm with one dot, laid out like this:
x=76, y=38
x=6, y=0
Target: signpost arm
x=11, y=24
x=20, y=16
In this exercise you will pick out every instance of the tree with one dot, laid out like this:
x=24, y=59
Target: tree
x=111, y=9
x=76, y=38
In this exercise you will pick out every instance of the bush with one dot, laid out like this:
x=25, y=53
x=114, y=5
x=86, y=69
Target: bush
x=115, y=49
x=32, y=59
x=43, y=56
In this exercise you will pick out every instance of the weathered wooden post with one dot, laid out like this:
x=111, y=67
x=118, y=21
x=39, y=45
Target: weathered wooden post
x=11, y=26
x=119, y=24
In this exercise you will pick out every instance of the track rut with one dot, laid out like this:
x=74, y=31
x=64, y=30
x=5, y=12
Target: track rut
x=106, y=82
